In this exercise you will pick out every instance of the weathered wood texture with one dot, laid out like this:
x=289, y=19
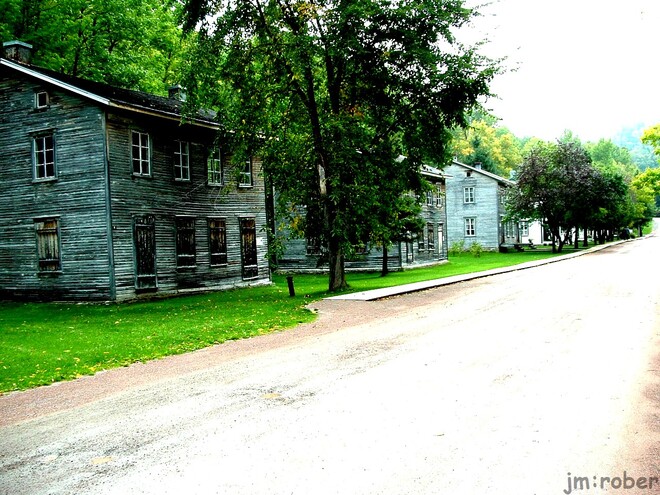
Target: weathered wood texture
x=77, y=197
x=163, y=197
x=400, y=255
x=96, y=198
x=487, y=209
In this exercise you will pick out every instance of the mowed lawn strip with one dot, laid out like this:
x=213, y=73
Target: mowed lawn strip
x=42, y=343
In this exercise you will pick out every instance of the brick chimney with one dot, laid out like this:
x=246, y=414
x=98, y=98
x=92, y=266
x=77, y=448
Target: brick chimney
x=17, y=51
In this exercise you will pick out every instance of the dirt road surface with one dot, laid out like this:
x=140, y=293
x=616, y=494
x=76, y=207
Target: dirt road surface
x=502, y=385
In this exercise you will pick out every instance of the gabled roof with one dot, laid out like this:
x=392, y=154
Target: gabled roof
x=113, y=97
x=481, y=171
x=430, y=171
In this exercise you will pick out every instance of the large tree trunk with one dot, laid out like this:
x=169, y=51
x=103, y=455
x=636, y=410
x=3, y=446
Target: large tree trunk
x=384, y=270
x=585, y=242
x=337, y=274
x=576, y=241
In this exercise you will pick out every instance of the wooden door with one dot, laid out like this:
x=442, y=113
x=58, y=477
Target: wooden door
x=249, y=248
x=144, y=238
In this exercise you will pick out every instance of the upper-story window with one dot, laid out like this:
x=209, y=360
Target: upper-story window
x=181, y=160
x=214, y=168
x=468, y=194
x=245, y=177
x=43, y=148
x=41, y=100
x=141, y=153
x=439, y=196
x=429, y=198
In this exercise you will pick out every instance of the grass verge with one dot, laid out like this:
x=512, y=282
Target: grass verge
x=42, y=343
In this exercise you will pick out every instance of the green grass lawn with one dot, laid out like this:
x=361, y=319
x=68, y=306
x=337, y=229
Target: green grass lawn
x=41, y=343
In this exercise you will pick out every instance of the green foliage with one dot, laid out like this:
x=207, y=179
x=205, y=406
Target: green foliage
x=135, y=44
x=456, y=248
x=651, y=137
x=44, y=343
x=496, y=148
x=332, y=95
x=476, y=249
x=558, y=184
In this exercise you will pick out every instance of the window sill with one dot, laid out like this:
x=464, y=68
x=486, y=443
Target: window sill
x=54, y=273
x=45, y=180
x=245, y=186
x=187, y=268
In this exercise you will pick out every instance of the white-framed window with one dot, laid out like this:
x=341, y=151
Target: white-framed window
x=468, y=194
x=214, y=168
x=439, y=196
x=43, y=151
x=41, y=100
x=429, y=198
x=181, y=160
x=245, y=176
x=524, y=228
x=185, y=242
x=48, y=244
x=470, y=227
x=141, y=153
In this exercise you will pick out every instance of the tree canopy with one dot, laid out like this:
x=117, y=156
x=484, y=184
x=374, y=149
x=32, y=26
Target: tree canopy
x=135, y=44
x=340, y=97
x=558, y=184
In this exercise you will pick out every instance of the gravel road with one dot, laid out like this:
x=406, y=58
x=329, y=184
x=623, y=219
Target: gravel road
x=501, y=385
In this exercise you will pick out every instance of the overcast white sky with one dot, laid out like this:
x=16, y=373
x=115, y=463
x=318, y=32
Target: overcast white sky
x=591, y=66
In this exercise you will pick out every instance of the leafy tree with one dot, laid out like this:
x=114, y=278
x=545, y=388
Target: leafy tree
x=497, y=149
x=641, y=154
x=607, y=155
x=651, y=136
x=135, y=44
x=556, y=185
x=331, y=93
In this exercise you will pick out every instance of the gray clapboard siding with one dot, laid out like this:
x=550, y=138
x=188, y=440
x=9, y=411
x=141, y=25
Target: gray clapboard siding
x=76, y=198
x=95, y=199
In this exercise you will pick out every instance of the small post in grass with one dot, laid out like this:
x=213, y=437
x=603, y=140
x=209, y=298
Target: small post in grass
x=289, y=282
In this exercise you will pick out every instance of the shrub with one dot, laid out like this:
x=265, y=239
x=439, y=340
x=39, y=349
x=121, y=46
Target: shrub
x=476, y=249
x=456, y=248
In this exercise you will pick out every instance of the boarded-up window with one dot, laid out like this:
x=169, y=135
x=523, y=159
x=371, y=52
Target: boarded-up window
x=140, y=153
x=430, y=229
x=48, y=244
x=249, y=248
x=181, y=160
x=185, y=242
x=215, y=170
x=218, y=241
x=420, y=241
x=145, y=252
x=44, y=157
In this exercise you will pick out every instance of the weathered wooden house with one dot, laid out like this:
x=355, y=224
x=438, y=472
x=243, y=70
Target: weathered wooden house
x=476, y=209
x=426, y=247
x=108, y=195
